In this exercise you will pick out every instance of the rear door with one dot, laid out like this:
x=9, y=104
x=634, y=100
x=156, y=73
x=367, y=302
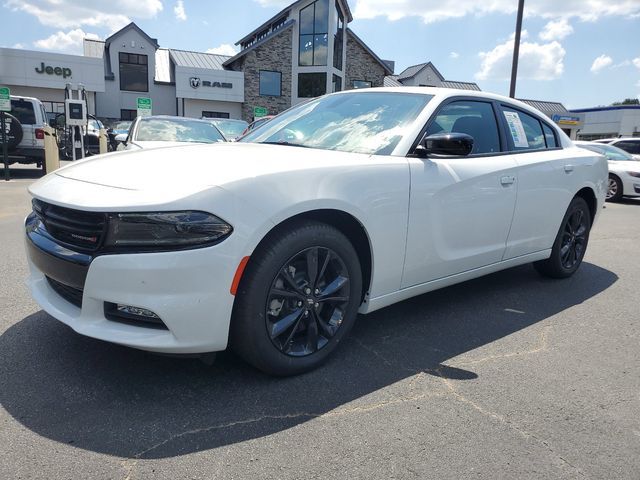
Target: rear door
x=460, y=207
x=25, y=113
x=545, y=181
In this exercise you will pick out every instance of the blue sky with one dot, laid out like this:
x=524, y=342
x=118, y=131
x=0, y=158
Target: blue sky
x=580, y=52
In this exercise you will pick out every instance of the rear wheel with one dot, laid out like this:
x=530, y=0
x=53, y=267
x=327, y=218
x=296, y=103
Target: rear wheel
x=297, y=299
x=614, y=190
x=570, y=244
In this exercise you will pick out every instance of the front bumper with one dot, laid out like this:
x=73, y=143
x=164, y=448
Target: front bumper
x=188, y=290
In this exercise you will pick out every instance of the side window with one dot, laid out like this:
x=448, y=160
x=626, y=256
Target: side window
x=524, y=132
x=473, y=118
x=549, y=136
x=629, y=146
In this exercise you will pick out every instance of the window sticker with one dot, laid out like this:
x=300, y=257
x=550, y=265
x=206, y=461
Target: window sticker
x=516, y=129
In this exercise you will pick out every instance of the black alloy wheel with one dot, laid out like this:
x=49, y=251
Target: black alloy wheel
x=574, y=239
x=570, y=244
x=307, y=301
x=297, y=299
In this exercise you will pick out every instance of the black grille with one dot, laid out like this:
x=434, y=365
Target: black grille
x=84, y=231
x=70, y=294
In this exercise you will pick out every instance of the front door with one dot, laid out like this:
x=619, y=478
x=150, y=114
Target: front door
x=461, y=208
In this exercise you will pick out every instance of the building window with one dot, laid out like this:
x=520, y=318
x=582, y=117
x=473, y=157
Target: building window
x=134, y=72
x=336, y=84
x=128, y=114
x=312, y=85
x=270, y=83
x=207, y=114
x=361, y=84
x=337, y=39
x=314, y=37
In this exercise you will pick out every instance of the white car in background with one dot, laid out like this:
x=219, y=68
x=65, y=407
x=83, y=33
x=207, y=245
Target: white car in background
x=345, y=204
x=166, y=131
x=631, y=145
x=624, y=170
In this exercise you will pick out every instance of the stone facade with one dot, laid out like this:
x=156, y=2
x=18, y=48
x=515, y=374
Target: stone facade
x=361, y=66
x=275, y=55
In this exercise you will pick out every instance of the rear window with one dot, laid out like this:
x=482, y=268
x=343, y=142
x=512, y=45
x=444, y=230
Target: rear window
x=23, y=111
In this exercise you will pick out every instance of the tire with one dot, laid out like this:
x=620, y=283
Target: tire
x=14, y=132
x=615, y=189
x=571, y=242
x=285, y=323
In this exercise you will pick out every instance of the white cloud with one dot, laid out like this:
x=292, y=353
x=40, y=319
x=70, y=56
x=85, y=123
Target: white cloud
x=636, y=62
x=179, y=12
x=537, y=61
x=432, y=11
x=454, y=55
x=63, y=14
x=224, y=49
x=70, y=42
x=556, y=30
x=274, y=3
x=601, y=62
x=21, y=46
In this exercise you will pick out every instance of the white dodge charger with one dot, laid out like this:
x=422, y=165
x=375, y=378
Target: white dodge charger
x=345, y=204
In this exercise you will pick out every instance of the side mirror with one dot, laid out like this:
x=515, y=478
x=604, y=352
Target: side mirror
x=449, y=144
x=121, y=137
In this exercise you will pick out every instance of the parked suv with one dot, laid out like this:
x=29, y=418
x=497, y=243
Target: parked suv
x=32, y=118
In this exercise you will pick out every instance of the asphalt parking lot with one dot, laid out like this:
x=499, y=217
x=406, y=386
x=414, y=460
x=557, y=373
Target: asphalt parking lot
x=508, y=376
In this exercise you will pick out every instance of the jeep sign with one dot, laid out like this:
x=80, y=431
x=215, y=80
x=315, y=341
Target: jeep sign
x=63, y=72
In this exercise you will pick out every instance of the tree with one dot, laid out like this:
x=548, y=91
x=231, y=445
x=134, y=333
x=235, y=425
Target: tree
x=627, y=101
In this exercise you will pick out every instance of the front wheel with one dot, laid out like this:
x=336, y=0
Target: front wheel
x=571, y=242
x=297, y=299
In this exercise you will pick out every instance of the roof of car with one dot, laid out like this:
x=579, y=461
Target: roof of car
x=441, y=92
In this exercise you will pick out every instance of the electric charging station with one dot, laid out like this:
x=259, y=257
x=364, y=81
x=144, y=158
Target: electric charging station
x=75, y=108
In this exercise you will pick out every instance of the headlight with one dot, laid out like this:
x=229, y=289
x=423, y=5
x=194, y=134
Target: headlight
x=165, y=230
x=634, y=174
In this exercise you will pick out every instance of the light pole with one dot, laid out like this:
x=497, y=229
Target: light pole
x=516, y=50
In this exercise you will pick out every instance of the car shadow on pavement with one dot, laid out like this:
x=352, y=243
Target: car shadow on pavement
x=119, y=401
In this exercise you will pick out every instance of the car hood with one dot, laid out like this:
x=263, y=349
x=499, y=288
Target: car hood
x=202, y=165
x=157, y=144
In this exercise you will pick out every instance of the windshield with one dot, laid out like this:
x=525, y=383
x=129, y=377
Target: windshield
x=611, y=152
x=122, y=126
x=169, y=130
x=371, y=122
x=230, y=128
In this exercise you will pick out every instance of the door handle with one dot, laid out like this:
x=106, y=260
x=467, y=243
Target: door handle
x=568, y=168
x=507, y=180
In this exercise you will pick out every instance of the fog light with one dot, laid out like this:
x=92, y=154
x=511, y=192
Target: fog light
x=138, y=316
x=137, y=311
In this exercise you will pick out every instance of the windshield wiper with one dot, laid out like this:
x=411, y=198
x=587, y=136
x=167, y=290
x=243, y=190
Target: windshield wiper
x=287, y=144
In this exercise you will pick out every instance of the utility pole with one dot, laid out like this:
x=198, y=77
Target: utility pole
x=516, y=50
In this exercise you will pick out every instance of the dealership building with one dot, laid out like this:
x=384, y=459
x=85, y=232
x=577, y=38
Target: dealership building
x=304, y=51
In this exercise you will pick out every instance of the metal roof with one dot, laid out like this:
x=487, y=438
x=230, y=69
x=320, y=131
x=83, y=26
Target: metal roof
x=391, y=81
x=543, y=106
x=460, y=85
x=413, y=70
x=93, y=48
x=211, y=61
